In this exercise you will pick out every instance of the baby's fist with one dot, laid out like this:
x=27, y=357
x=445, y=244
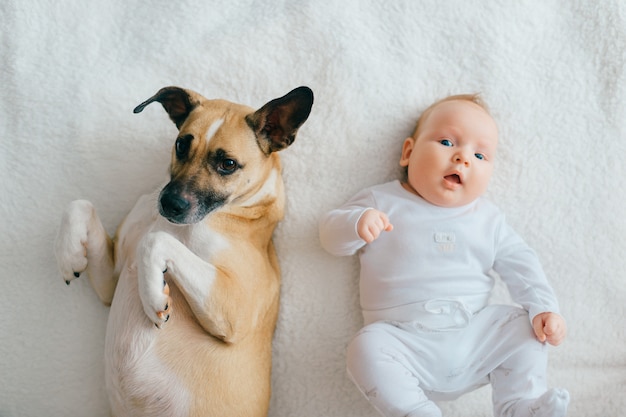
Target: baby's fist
x=549, y=327
x=371, y=224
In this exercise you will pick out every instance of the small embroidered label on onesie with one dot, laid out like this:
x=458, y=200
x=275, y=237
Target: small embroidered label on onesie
x=445, y=241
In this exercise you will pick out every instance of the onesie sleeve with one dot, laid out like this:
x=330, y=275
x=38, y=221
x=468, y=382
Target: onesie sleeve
x=519, y=267
x=337, y=228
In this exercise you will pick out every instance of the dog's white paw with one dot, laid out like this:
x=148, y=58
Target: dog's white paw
x=158, y=306
x=152, y=267
x=70, y=246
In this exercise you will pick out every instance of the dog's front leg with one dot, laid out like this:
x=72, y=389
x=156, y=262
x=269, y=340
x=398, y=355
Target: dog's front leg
x=160, y=252
x=81, y=245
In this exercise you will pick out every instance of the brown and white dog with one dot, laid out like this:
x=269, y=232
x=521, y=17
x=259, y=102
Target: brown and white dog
x=197, y=254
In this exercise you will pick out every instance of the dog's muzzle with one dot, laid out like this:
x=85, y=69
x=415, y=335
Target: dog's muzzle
x=174, y=206
x=180, y=205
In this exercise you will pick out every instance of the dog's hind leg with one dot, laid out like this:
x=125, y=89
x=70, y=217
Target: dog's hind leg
x=82, y=244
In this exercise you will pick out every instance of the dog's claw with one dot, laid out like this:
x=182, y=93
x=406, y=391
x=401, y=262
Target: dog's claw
x=77, y=274
x=67, y=282
x=160, y=314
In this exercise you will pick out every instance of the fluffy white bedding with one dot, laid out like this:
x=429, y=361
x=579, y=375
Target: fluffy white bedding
x=72, y=71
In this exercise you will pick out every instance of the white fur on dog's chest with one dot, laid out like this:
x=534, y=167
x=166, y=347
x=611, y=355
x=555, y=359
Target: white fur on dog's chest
x=199, y=238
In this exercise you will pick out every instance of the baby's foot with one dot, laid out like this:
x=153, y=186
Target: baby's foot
x=551, y=404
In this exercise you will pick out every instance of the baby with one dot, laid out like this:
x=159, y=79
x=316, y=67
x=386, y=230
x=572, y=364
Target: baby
x=427, y=246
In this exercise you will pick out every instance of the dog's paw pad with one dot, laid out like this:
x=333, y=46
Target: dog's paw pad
x=165, y=313
x=163, y=316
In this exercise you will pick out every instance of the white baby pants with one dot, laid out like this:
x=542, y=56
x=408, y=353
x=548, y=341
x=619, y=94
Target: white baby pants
x=402, y=367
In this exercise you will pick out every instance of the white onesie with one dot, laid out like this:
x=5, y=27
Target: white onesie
x=424, y=289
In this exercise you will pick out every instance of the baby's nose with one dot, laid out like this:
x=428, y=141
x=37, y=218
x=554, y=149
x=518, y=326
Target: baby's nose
x=461, y=158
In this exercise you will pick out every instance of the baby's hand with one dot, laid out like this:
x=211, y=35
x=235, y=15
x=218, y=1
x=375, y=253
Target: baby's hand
x=549, y=327
x=371, y=224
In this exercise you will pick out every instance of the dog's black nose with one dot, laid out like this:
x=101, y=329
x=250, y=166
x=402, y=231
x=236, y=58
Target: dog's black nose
x=173, y=206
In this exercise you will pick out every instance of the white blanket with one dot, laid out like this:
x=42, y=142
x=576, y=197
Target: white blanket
x=72, y=71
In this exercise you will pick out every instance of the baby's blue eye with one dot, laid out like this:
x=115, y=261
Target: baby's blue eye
x=445, y=142
x=479, y=156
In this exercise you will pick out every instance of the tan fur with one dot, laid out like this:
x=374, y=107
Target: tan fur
x=200, y=344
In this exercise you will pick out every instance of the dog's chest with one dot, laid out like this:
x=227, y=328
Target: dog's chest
x=200, y=239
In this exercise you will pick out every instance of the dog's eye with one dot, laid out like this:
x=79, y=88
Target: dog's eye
x=183, y=144
x=227, y=166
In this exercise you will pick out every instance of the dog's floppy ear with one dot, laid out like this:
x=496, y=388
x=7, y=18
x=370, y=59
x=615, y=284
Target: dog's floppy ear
x=277, y=122
x=176, y=101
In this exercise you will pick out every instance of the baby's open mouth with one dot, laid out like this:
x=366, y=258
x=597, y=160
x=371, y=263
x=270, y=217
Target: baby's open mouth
x=454, y=178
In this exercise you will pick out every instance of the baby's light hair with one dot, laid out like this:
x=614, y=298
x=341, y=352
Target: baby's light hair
x=474, y=98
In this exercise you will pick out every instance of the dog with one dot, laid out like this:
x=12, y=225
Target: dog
x=191, y=274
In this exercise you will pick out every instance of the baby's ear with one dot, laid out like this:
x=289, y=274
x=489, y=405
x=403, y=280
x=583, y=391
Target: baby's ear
x=407, y=148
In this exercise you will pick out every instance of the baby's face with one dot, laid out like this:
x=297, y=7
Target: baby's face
x=450, y=162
